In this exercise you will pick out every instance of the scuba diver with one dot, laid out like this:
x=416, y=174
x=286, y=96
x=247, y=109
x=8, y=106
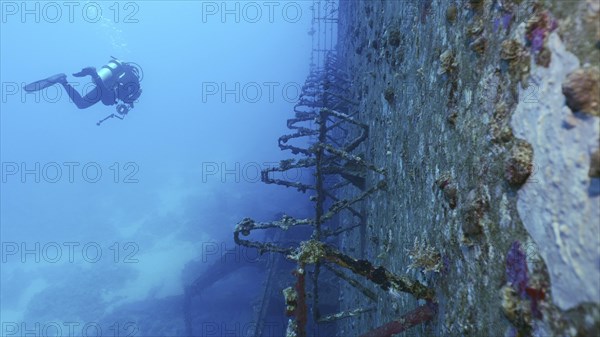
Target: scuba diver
x=115, y=83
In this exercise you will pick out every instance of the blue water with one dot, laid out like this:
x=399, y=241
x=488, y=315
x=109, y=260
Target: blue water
x=103, y=226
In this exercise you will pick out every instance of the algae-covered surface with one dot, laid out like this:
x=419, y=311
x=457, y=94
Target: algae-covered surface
x=488, y=200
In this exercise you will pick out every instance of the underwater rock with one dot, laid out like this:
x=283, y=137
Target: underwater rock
x=517, y=57
x=582, y=90
x=451, y=116
x=519, y=164
x=516, y=310
x=595, y=165
x=473, y=213
x=544, y=57
x=511, y=50
x=394, y=38
x=451, y=13
x=447, y=63
x=476, y=28
x=584, y=319
x=558, y=211
x=449, y=189
x=479, y=45
x=476, y=4
x=389, y=95
x=500, y=129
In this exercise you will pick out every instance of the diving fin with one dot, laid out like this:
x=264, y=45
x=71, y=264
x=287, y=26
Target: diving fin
x=45, y=83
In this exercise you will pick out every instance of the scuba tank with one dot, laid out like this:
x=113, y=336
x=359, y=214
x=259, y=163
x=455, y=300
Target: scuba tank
x=110, y=72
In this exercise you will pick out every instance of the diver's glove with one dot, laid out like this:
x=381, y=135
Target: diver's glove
x=86, y=71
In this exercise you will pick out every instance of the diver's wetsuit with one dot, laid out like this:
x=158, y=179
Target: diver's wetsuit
x=99, y=93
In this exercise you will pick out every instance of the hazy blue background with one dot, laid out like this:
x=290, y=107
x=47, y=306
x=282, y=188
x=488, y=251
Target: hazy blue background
x=169, y=136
